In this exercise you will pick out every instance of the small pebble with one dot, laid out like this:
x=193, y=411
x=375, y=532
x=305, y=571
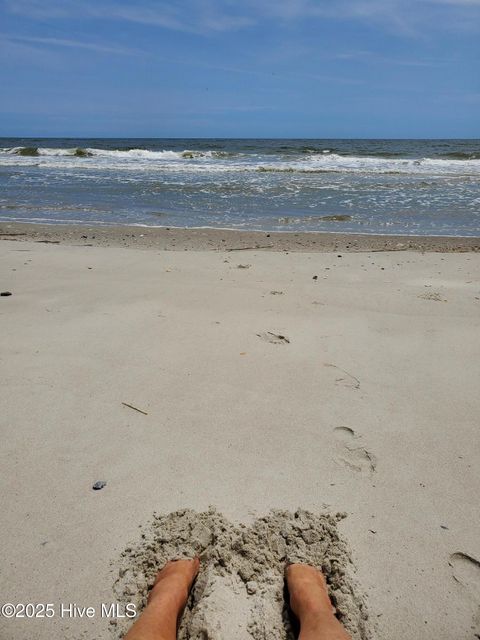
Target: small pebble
x=6, y=293
x=99, y=485
x=315, y=278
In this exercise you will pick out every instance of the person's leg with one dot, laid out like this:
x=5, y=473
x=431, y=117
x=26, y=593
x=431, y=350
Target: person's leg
x=166, y=602
x=309, y=601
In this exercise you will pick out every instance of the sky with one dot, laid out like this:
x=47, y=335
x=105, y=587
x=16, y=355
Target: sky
x=245, y=68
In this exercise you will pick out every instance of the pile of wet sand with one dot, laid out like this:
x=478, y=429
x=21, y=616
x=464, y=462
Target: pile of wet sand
x=240, y=591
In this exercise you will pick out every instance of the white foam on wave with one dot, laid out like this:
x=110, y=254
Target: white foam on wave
x=220, y=162
x=46, y=151
x=147, y=154
x=335, y=163
x=132, y=154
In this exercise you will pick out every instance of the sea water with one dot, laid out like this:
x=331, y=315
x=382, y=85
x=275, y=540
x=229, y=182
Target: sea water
x=426, y=187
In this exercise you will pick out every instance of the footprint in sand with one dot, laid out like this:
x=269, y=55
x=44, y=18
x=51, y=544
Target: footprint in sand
x=466, y=571
x=273, y=338
x=351, y=454
x=344, y=378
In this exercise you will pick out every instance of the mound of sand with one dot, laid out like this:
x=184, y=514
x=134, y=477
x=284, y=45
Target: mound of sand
x=239, y=592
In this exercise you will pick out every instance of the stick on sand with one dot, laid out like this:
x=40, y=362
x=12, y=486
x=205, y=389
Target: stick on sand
x=135, y=408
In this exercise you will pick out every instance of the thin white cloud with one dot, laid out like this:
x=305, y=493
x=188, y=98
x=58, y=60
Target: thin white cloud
x=14, y=52
x=402, y=16
x=39, y=10
x=191, y=16
x=211, y=16
x=171, y=18
x=75, y=44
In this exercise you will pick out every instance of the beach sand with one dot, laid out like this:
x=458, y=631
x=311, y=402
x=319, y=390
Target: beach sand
x=294, y=377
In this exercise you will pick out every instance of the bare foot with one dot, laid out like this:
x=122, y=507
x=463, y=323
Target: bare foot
x=173, y=583
x=166, y=602
x=311, y=604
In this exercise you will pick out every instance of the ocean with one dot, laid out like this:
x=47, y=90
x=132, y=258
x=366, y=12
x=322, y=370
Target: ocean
x=413, y=187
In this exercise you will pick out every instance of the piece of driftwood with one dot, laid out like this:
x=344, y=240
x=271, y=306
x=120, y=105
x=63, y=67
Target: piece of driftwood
x=381, y=250
x=265, y=246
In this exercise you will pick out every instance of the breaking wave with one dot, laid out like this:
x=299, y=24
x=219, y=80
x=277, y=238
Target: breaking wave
x=306, y=160
x=147, y=154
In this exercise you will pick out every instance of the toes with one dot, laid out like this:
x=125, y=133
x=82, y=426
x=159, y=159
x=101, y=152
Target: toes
x=196, y=564
x=188, y=567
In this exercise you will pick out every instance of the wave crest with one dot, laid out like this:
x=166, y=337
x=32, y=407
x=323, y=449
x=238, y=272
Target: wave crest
x=146, y=154
x=24, y=151
x=219, y=161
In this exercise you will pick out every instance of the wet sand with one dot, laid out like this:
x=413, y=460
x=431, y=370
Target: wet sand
x=181, y=239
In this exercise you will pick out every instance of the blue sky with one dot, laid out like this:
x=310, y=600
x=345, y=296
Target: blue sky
x=250, y=68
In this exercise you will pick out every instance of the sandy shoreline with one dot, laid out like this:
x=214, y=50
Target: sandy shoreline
x=181, y=239
x=370, y=407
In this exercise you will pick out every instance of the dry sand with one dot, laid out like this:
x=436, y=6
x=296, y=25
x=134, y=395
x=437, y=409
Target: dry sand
x=263, y=388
